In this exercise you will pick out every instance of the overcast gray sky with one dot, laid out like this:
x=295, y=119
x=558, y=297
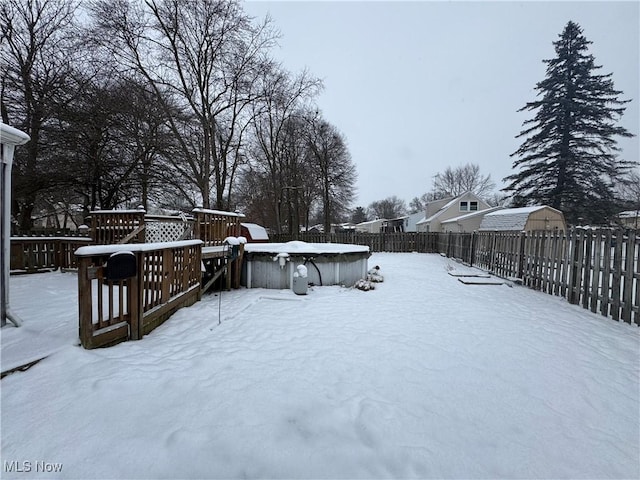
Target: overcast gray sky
x=419, y=86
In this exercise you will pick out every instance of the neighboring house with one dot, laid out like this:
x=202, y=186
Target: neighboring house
x=319, y=228
x=411, y=221
x=342, y=227
x=394, y=225
x=466, y=223
x=372, y=226
x=59, y=216
x=525, y=219
x=446, y=209
x=629, y=219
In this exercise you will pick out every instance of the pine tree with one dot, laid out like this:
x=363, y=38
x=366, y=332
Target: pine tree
x=568, y=159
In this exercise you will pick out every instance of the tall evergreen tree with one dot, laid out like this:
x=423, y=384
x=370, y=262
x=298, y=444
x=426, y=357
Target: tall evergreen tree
x=569, y=156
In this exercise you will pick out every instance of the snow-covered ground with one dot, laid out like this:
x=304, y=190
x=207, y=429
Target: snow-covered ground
x=423, y=377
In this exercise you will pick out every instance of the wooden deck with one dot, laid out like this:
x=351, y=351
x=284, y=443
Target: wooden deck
x=111, y=311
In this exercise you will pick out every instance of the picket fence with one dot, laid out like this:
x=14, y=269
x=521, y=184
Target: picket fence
x=596, y=268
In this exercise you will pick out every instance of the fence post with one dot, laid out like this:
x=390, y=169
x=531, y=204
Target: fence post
x=521, y=260
x=136, y=287
x=84, y=302
x=574, y=277
x=627, y=292
x=587, y=265
x=472, y=252
x=617, y=275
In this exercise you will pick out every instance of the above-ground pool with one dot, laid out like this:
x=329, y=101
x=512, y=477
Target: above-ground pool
x=272, y=265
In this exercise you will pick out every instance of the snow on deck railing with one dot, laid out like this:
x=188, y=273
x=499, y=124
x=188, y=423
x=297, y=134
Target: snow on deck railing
x=218, y=212
x=166, y=278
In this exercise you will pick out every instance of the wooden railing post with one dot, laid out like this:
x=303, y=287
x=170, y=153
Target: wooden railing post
x=85, y=312
x=134, y=297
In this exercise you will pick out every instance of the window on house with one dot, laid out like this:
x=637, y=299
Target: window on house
x=473, y=206
x=464, y=206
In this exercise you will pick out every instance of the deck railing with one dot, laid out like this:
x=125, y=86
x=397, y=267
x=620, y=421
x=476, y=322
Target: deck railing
x=166, y=279
x=213, y=226
x=110, y=227
x=37, y=254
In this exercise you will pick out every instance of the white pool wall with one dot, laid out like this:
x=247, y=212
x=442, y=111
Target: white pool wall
x=272, y=265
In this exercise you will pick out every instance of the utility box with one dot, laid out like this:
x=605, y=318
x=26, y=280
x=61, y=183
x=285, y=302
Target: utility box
x=300, y=283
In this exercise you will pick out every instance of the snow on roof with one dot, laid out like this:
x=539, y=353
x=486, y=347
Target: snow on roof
x=257, y=232
x=298, y=247
x=509, y=219
x=472, y=214
x=12, y=136
x=629, y=214
x=511, y=211
x=372, y=221
x=442, y=209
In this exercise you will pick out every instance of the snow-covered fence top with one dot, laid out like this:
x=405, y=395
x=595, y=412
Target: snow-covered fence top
x=218, y=212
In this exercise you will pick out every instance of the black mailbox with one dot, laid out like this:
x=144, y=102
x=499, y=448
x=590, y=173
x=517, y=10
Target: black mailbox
x=121, y=265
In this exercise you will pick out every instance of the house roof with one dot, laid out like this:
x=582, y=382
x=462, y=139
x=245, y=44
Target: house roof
x=439, y=212
x=446, y=206
x=472, y=214
x=371, y=222
x=442, y=209
x=509, y=218
x=629, y=214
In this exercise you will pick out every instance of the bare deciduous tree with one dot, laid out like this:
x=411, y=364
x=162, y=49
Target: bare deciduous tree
x=390, y=207
x=207, y=59
x=282, y=98
x=38, y=45
x=337, y=174
x=467, y=178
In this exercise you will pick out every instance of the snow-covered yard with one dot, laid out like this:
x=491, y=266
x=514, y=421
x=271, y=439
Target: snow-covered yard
x=423, y=377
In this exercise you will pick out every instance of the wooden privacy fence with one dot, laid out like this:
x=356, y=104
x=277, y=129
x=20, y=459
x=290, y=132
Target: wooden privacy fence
x=377, y=242
x=166, y=279
x=596, y=268
x=37, y=254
